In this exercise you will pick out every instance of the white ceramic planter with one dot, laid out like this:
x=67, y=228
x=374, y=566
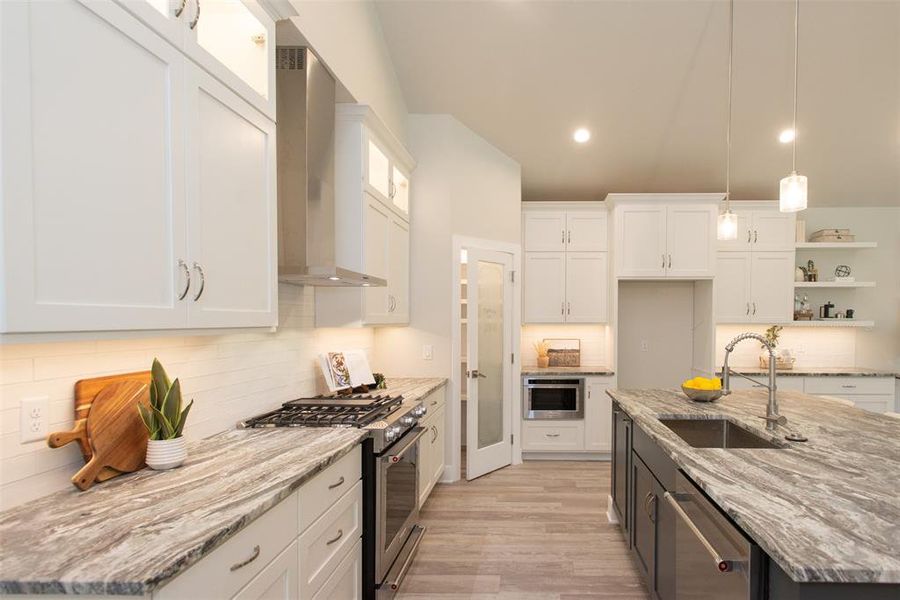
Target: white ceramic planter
x=166, y=454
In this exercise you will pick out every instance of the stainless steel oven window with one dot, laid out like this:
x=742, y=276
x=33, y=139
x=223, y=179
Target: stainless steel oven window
x=398, y=497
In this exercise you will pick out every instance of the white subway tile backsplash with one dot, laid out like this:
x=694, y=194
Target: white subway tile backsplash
x=825, y=347
x=229, y=376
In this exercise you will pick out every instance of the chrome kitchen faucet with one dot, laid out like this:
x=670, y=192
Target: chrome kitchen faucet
x=772, y=417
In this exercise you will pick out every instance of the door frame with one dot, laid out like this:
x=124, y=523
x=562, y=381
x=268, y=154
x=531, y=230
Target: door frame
x=452, y=471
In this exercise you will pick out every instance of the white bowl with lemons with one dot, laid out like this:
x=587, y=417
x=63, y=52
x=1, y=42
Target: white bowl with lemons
x=702, y=389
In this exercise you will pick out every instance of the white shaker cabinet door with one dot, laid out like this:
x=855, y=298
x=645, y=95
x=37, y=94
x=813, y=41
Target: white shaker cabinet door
x=597, y=417
x=544, y=287
x=376, y=236
x=732, y=287
x=691, y=239
x=545, y=231
x=586, y=230
x=398, y=271
x=231, y=208
x=773, y=230
x=641, y=241
x=587, y=287
x=92, y=182
x=772, y=292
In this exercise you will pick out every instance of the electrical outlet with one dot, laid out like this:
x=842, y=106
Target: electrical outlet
x=33, y=419
x=645, y=346
x=428, y=352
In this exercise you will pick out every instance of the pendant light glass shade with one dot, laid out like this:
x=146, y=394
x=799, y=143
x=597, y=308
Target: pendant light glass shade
x=792, y=196
x=727, y=227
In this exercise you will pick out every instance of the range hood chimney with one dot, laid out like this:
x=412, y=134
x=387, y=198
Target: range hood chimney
x=306, y=214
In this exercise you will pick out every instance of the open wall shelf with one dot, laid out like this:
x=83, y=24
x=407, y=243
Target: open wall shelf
x=835, y=245
x=834, y=284
x=832, y=323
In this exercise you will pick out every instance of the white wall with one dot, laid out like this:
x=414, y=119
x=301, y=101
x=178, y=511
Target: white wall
x=594, y=342
x=347, y=35
x=230, y=377
x=461, y=186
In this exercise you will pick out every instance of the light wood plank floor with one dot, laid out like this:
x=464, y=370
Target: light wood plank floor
x=536, y=531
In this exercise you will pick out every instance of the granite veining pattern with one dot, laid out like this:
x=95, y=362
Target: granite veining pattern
x=826, y=510
x=815, y=372
x=412, y=388
x=132, y=534
x=597, y=371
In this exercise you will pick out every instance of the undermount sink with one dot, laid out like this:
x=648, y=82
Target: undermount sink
x=716, y=433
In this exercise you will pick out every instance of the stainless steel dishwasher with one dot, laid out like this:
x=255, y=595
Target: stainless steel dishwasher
x=713, y=559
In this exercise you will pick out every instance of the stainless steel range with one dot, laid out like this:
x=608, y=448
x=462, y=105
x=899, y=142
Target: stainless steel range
x=391, y=533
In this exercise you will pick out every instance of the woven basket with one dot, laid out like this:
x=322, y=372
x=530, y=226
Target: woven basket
x=780, y=363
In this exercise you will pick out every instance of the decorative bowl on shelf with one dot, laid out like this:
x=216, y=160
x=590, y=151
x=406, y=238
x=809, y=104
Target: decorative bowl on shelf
x=701, y=395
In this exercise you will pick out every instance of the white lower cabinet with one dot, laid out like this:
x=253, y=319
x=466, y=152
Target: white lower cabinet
x=431, y=445
x=592, y=434
x=307, y=546
x=874, y=394
x=277, y=581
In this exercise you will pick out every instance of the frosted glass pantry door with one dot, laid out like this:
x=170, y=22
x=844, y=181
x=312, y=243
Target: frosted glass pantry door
x=489, y=418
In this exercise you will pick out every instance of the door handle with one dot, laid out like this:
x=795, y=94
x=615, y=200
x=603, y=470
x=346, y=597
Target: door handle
x=180, y=9
x=568, y=308
x=748, y=235
x=670, y=261
x=552, y=435
x=563, y=240
x=663, y=265
x=435, y=432
x=570, y=237
x=755, y=236
x=748, y=309
x=199, y=270
x=562, y=308
x=197, y=16
x=475, y=374
x=338, y=483
x=247, y=561
x=339, y=535
x=722, y=565
x=754, y=308
x=187, y=279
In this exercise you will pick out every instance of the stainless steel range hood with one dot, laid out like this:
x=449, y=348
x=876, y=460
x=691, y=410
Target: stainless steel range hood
x=306, y=216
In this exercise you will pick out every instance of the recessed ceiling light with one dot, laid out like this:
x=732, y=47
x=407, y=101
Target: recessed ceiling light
x=581, y=135
x=787, y=136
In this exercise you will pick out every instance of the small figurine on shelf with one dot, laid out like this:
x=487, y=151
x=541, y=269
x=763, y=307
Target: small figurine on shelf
x=812, y=273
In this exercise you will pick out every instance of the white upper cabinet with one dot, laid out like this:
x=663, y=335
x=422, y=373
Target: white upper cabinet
x=640, y=232
x=665, y=235
x=372, y=195
x=93, y=170
x=587, y=288
x=544, y=287
x=131, y=165
x=544, y=230
x=234, y=40
x=754, y=287
x=573, y=229
x=761, y=227
x=232, y=214
x=586, y=230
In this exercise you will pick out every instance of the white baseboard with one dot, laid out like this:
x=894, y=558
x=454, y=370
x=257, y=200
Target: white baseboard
x=591, y=456
x=611, y=515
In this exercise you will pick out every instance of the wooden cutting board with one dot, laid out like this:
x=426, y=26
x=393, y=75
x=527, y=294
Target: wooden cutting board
x=116, y=432
x=85, y=392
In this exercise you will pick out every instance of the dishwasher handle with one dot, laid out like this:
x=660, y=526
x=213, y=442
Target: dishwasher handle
x=723, y=565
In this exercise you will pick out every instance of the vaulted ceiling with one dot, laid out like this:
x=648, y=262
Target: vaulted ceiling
x=649, y=79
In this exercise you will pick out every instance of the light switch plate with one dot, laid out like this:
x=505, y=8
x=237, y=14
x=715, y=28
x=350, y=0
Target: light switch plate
x=33, y=416
x=428, y=352
x=645, y=346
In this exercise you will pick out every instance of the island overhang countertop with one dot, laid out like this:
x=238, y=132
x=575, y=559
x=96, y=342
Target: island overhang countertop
x=825, y=510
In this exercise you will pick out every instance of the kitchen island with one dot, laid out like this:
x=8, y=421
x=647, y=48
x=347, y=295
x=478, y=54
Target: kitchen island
x=823, y=511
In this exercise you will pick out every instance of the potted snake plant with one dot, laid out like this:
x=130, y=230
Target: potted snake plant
x=164, y=420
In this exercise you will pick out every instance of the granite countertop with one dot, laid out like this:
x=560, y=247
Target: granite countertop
x=597, y=370
x=826, y=510
x=815, y=372
x=132, y=534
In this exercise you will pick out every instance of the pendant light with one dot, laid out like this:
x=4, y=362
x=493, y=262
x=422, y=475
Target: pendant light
x=792, y=191
x=726, y=228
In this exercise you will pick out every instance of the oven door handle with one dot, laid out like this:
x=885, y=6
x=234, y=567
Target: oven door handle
x=395, y=457
x=723, y=565
x=546, y=386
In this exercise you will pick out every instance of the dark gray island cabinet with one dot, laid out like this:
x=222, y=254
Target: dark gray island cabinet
x=689, y=546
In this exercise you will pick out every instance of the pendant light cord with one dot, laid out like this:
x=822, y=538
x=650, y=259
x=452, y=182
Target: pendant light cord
x=796, y=77
x=730, y=86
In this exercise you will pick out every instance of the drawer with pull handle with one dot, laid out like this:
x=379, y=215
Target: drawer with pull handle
x=231, y=566
x=434, y=400
x=323, y=490
x=838, y=386
x=553, y=435
x=327, y=541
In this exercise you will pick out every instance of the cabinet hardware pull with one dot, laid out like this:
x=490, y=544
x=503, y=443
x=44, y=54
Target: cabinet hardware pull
x=187, y=279
x=338, y=483
x=433, y=402
x=335, y=538
x=553, y=435
x=180, y=9
x=435, y=431
x=197, y=16
x=246, y=562
x=754, y=308
x=755, y=236
x=569, y=241
x=748, y=309
x=849, y=387
x=563, y=236
x=568, y=308
x=663, y=265
x=748, y=236
x=258, y=39
x=722, y=565
x=202, y=281
x=670, y=261
x=651, y=512
x=562, y=308
x=646, y=502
